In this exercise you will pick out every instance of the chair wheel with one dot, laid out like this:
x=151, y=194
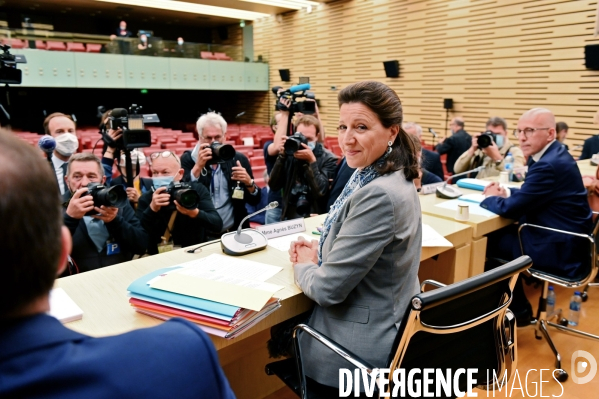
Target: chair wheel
x=560, y=375
x=563, y=322
x=584, y=296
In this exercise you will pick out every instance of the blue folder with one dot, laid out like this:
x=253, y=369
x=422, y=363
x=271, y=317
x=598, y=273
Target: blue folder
x=473, y=184
x=140, y=288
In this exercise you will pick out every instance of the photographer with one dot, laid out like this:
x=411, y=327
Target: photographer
x=230, y=182
x=303, y=169
x=492, y=155
x=102, y=236
x=162, y=215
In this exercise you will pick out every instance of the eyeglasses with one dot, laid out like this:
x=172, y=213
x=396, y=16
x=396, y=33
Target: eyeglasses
x=164, y=154
x=528, y=131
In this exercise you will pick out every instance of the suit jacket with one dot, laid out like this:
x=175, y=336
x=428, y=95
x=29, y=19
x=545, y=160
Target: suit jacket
x=589, y=148
x=40, y=358
x=369, y=273
x=431, y=161
x=466, y=162
x=454, y=146
x=342, y=175
x=186, y=231
x=553, y=195
x=239, y=211
x=125, y=229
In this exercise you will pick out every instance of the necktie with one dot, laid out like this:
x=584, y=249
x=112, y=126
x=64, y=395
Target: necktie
x=531, y=161
x=96, y=231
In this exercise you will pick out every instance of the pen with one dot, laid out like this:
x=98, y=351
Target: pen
x=316, y=232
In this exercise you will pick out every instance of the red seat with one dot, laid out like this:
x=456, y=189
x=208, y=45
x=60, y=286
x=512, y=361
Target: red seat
x=55, y=46
x=40, y=45
x=15, y=43
x=248, y=153
x=222, y=57
x=78, y=47
x=257, y=161
x=189, y=141
x=260, y=182
x=258, y=171
x=94, y=48
x=207, y=55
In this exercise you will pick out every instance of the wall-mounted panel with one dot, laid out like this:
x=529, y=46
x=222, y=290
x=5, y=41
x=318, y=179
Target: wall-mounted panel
x=226, y=75
x=47, y=68
x=256, y=76
x=107, y=71
x=147, y=72
x=189, y=74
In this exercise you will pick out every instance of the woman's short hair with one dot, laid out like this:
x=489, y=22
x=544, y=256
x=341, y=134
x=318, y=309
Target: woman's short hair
x=385, y=103
x=559, y=126
x=212, y=119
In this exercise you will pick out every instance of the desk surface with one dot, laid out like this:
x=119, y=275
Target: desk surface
x=586, y=168
x=102, y=293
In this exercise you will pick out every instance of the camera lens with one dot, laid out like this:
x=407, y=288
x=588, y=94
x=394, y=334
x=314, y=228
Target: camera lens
x=291, y=145
x=114, y=196
x=484, y=140
x=222, y=152
x=187, y=198
x=302, y=206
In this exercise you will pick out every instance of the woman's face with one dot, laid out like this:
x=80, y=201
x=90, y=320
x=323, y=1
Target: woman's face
x=362, y=137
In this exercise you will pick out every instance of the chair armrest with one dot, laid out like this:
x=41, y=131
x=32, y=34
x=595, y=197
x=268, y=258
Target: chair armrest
x=522, y=226
x=328, y=343
x=431, y=282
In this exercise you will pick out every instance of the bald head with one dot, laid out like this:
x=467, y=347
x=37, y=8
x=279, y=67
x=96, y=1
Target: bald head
x=540, y=115
x=167, y=166
x=536, y=129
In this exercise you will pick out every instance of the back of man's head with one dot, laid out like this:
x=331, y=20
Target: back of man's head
x=30, y=225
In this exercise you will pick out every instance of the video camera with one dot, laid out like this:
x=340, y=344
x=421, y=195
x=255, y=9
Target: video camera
x=221, y=153
x=9, y=74
x=132, y=124
x=186, y=196
x=486, y=139
x=114, y=196
x=294, y=143
x=305, y=107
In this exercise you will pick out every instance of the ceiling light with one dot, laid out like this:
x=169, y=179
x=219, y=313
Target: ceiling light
x=242, y=23
x=293, y=4
x=192, y=8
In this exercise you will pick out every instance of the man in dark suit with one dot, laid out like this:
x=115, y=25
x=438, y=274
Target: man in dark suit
x=231, y=183
x=431, y=161
x=456, y=144
x=39, y=357
x=552, y=195
x=589, y=148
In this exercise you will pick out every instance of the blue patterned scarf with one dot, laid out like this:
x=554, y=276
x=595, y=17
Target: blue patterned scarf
x=359, y=179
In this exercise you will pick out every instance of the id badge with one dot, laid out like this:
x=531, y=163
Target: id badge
x=165, y=247
x=238, y=192
x=113, y=248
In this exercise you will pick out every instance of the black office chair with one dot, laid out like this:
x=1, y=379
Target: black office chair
x=588, y=272
x=462, y=325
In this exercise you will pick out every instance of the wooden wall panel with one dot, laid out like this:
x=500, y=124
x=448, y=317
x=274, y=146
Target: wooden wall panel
x=493, y=57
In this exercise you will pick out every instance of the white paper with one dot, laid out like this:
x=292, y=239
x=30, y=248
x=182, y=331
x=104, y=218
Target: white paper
x=475, y=209
x=283, y=243
x=218, y=266
x=63, y=307
x=430, y=238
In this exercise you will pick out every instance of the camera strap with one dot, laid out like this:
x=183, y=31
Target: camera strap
x=169, y=228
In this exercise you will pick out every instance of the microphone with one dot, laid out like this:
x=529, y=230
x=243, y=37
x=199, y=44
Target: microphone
x=118, y=113
x=431, y=131
x=240, y=114
x=245, y=241
x=450, y=192
x=302, y=87
x=47, y=144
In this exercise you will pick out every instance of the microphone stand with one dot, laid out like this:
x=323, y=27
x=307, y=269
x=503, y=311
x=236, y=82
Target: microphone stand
x=250, y=240
x=449, y=192
x=244, y=238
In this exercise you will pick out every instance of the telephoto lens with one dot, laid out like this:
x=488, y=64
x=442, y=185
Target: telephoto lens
x=294, y=143
x=115, y=196
x=221, y=152
x=485, y=139
x=186, y=196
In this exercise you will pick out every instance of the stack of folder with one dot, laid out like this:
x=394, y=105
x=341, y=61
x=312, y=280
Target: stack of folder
x=216, y=318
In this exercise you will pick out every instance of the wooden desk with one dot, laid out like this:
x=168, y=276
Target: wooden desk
x=102, y=295
x=481, y=226
x=586, y=168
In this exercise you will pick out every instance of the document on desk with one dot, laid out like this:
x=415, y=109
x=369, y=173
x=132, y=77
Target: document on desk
x=474, y=208
x=63, y=307
x=430, y=238
x=283, y=243
x=216, y=266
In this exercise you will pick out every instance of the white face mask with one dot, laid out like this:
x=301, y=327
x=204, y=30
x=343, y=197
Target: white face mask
x=180, y=42
x=66, y=144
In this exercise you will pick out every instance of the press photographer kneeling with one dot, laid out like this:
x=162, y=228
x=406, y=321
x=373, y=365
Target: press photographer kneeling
x=303, y=169
x=175, y=213
x=103, y=225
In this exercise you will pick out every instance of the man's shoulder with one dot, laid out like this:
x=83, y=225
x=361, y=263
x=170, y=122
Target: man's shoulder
x=430, y=154
x=592, y=139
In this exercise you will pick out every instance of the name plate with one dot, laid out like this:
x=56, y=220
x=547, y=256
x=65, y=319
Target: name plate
x=282, y=228
x=430, y=188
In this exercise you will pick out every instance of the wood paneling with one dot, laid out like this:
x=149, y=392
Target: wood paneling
x=493, y=57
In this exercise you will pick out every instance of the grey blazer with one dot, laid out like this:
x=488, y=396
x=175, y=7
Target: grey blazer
x=368, y=275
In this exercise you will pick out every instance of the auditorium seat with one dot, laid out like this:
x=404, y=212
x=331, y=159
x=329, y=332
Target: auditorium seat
x=55, y=46
x=40, y=45
x=78, y=47
x=93, y=48
x=258, y=171
x=222, y=57
x=207, y=55
x=15, y=43
x=188, y=140
x=257, y=161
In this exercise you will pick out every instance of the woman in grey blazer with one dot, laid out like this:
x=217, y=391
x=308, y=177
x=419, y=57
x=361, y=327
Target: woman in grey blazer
x=364, y=270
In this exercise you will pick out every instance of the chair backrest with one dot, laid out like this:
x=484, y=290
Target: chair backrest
x=461, y=326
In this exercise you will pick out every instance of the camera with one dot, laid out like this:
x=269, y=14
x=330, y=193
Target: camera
x=186, y=196
x=221, y=153
x=294, y=143
x=115, y=196
x=132, y=124
x=305, y=107
x=302, y=205
x=9, y=74
x=486, y=139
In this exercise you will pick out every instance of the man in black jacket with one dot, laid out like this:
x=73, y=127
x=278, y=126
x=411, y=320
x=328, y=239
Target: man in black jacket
x=155, y=210
x=431, y=161
x=230, y=183
x=305, y=176
x=110, y=236
x=455, y=145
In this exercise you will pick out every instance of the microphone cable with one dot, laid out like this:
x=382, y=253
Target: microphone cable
x=193, y=250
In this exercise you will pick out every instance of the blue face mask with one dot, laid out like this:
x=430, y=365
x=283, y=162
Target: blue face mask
x=162, y=181
x=499, y=140
x=312, y=144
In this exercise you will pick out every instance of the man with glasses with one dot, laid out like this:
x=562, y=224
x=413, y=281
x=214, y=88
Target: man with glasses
x=552, y=195
x=456, y=144
x=102, y=236
x=230, y=183
x=168, y=222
